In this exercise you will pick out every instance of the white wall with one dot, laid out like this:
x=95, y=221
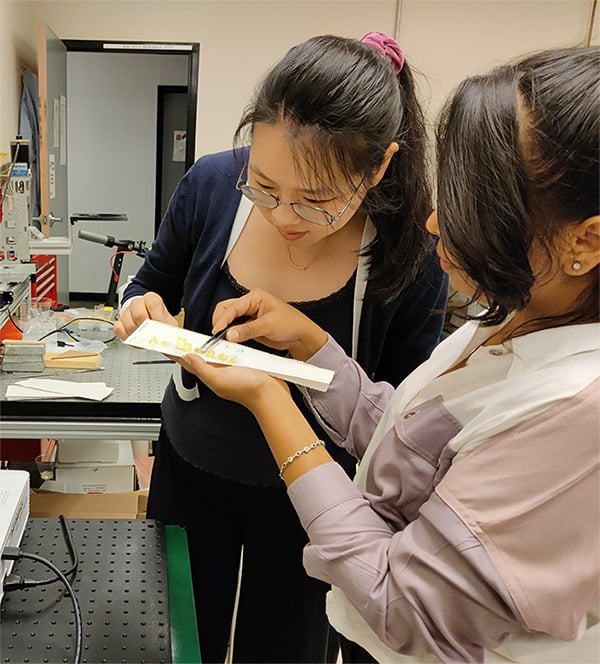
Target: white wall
x=451, y=39
x=111, y=129
x=240, y=39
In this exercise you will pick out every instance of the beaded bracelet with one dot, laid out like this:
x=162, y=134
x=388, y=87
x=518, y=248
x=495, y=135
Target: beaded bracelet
x=300, y=452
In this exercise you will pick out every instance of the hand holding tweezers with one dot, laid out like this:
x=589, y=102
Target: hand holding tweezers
x=215, y=338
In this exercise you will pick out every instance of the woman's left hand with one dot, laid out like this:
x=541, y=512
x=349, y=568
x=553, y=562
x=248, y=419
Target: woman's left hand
x=249, y=387
x=269, y=400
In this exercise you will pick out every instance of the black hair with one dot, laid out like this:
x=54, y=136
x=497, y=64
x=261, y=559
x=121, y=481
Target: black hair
x=342, y=105
x=517, y=161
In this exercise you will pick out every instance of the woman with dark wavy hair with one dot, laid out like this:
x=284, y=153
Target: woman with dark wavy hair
x=324, y=207
x=471, y=531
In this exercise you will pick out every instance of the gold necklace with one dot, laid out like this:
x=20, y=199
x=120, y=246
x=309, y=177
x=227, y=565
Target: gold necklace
x=294, y=264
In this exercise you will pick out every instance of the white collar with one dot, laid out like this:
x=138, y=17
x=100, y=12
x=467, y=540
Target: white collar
x=545, y=347
x=533, y=350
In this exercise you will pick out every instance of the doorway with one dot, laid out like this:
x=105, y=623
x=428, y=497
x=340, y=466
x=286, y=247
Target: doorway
x=111, y=121
x=171, y=145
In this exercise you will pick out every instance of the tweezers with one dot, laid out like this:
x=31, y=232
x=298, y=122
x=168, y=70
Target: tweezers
x=215, y=338
x=153, y=362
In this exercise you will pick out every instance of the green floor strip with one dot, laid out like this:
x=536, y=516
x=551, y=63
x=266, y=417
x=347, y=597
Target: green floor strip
x=184, y=631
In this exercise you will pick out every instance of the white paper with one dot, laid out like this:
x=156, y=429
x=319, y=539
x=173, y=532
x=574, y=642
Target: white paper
x=47, y=388
x=175, y=341
x=63, y=130
x=18, y=392
x=52, y=174
x=179, y=139
x=55, y=124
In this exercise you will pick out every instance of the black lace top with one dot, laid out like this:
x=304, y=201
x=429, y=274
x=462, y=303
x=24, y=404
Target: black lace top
x=224, y=437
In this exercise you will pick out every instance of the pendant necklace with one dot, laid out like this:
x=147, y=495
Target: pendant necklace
x=294, y=264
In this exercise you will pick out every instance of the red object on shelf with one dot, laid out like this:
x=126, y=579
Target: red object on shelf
x=19, y=449
x=10, y=331
x=45, y=284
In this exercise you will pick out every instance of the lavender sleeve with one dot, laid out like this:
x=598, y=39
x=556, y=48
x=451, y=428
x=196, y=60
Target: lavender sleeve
x=430, y=588
x=350, y=409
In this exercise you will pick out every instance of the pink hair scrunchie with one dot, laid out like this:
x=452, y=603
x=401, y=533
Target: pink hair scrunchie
x=387, y=47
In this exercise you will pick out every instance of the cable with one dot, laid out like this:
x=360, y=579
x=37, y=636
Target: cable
x=65, y=328
x=10, y=170
x=111, y=261
x=22, y=582
x=70, y=334
x=11, y=553
x=10, y=316
x=13, y=321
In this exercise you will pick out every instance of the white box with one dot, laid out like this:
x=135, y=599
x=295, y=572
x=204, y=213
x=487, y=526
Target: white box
x=87, y=452
x=14, y=512
x=95, y=466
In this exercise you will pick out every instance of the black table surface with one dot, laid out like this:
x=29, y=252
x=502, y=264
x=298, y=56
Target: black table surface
x=121, y=585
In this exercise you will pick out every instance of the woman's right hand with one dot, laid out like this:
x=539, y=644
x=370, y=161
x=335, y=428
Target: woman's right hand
x=149, y=306
x=272, y=322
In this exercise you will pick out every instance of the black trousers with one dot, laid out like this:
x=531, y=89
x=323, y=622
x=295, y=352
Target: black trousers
x=352, y=653
x=281, y=613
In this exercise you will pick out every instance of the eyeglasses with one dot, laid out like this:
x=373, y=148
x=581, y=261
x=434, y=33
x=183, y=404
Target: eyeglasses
x=315, y=215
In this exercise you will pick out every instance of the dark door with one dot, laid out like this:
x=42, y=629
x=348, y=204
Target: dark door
x=171, y=142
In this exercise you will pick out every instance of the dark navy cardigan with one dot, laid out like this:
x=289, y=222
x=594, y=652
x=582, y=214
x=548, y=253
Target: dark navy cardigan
x=184, y=263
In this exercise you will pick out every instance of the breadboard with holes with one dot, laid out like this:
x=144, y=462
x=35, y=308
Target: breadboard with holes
x=121, y=585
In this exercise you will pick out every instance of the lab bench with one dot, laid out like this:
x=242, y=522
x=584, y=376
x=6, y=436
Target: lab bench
x=131, y=411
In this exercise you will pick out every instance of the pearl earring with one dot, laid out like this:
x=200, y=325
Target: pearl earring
x=576, y=266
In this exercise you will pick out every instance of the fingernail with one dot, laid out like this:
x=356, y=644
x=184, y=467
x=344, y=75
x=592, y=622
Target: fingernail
x=232, y=335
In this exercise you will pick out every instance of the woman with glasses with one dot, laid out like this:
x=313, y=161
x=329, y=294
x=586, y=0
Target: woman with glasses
x=325, y=208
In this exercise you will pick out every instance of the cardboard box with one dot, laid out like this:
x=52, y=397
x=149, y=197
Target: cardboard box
x=47, y=505
x=143, y=461
x=94, y=467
